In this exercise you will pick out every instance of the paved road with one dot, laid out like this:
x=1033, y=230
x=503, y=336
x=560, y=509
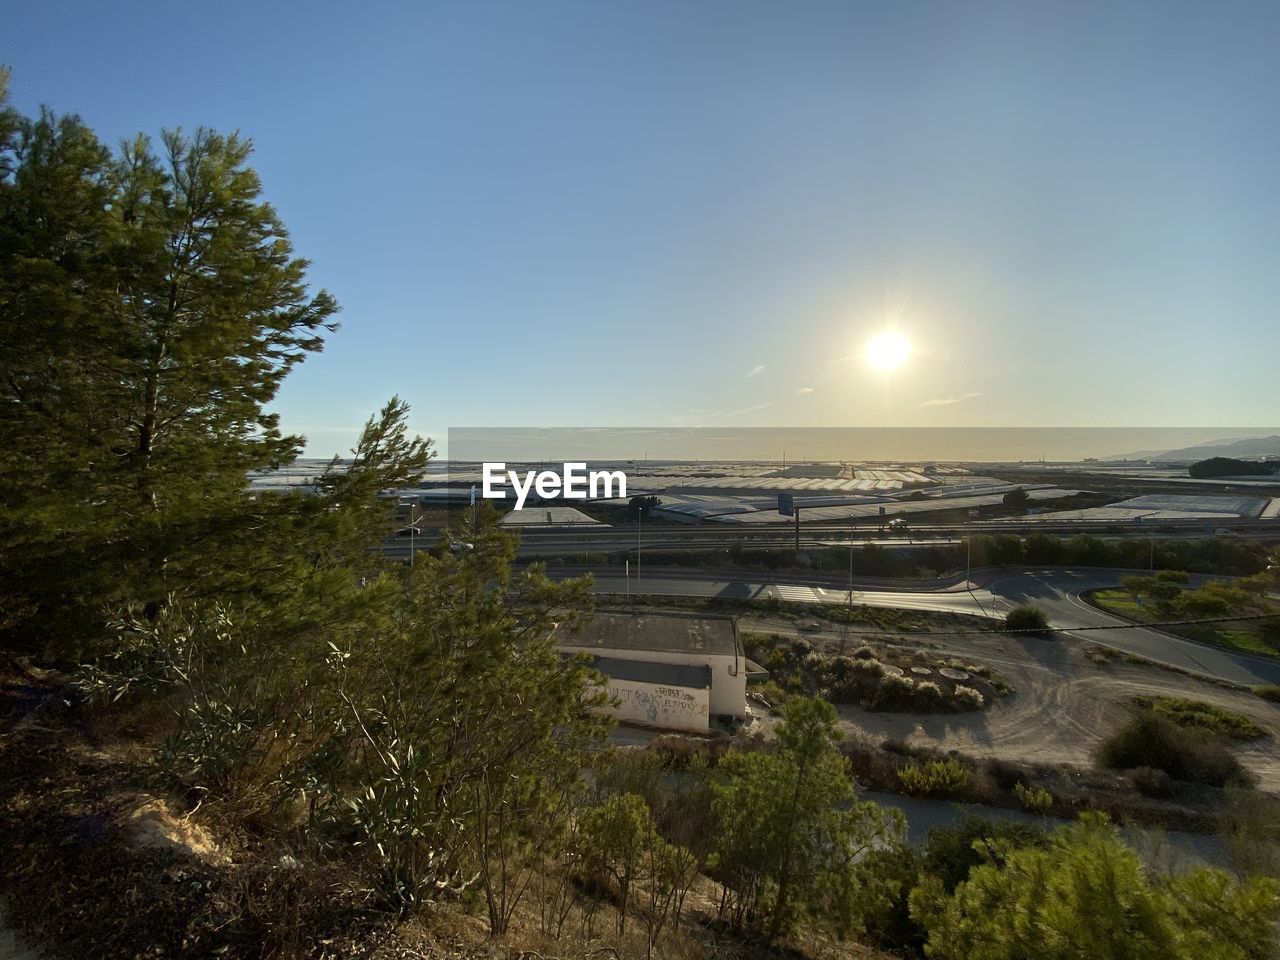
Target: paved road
x=1056, y=592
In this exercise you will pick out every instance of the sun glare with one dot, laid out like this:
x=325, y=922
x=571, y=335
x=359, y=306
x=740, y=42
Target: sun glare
x=888, y=350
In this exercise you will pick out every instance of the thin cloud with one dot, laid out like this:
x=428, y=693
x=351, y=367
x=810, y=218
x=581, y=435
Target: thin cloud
x=802, y=391
x=947, y=401
x=755, y=371
x=695, y=416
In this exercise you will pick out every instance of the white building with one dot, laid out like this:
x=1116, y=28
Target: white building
x=669, y=670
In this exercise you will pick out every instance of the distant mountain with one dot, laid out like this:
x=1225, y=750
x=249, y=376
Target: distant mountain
x=1246, y=447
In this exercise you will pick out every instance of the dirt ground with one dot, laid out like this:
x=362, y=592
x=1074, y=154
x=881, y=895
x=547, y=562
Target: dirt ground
x=11, y=946
x=100, y=864
x=1063, y=705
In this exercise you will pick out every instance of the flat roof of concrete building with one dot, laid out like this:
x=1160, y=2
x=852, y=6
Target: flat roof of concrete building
x=660, y=632
x=544, y=516
x=693, y=676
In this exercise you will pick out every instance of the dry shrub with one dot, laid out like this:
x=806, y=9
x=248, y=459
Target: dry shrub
x=928, y=695
x=1005, y=773
x=1151, y=782
x=800, y=648
x=967, y=698
x=891, y=693
x=1193, y=756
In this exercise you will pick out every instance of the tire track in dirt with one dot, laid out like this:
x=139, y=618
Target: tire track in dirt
x=1063, y=705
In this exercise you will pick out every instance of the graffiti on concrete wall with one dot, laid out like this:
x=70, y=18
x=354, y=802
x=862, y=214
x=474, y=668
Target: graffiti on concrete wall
x=675, y=707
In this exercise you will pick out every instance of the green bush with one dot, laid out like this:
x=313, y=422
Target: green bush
x=772, y=692
x=215, y=740
x=1196, y=714
x=1192, y=756
x=885, y=877
x=1087, y=894
x=1270, y=633
x=951, y=852
x=1215, y=599
x=1027, y=619
x=1034, y=799
x=1268, y=691
x=934, y=778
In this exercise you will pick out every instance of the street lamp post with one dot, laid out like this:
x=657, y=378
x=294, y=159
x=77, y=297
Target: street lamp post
x=639, y=524
x=968, y=554
x=411, y=533
x=851, y=534
x=848, y=612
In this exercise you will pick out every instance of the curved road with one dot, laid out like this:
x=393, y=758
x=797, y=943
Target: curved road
x=994, y=592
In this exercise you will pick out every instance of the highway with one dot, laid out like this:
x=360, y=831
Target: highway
x=566, y=541
x=1056, y=592
x=991, y=594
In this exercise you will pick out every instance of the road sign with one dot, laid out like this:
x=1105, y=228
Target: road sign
x=787, y=504
x=473, y=495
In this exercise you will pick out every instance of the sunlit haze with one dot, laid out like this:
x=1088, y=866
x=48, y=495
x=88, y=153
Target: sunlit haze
x=888, y=350
x=700, y=214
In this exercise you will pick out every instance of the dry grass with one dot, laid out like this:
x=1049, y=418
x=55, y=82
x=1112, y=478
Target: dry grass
x=100, y=866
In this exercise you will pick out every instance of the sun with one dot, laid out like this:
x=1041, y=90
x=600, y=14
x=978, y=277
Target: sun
x=888, y=350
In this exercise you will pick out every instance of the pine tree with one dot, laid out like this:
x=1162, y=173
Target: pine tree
x=788, y=832
x=150, y=307
x=1087, y=895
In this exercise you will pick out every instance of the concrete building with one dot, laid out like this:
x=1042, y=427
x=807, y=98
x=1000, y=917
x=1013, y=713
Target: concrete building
x=669, y=670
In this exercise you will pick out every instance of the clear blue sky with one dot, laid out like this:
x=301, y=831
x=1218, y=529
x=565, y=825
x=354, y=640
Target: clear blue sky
x=612, y=213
